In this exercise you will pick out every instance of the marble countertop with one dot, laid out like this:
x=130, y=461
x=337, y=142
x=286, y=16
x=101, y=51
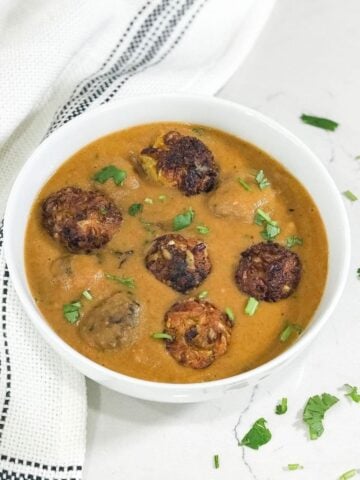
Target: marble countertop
x=306, y=60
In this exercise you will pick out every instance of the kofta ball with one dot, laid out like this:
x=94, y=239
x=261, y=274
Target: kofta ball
x=112, y=323
x=268, y=271
x=181, y=161
x=81, y=220
x=181, y=263
x=200, y=333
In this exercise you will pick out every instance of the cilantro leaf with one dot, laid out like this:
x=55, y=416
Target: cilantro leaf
x=203, y=229
x=108, y=172
x=281, y=408
x=293, y=240
x=257, y=436
x=352, y=393
x=261, y=180
x=271, y=227
x=314, y=413
x=135, y=208
x=128, y=282
x=71, y=311
x=183, y=220
x=319, y=122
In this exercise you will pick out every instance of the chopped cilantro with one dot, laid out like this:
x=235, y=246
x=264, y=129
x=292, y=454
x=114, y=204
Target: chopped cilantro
x=135, y=208
x=244, y=184
x=350, y=196
x=281, y=408
x=216, y=461
x=289, y=330
x=352, y=393
x=314, y=413
x=319, y=122
x=261, y=217
x=203, y=295
x=271, y=227
x=71, y=311
x=183, y=220
x=87, y=294
x=293, y=240
x=203, y=229
x=126, y=281
x=257, y=436
x=295, y=466
x=230, y=314
x=270, y=232
x=348, y=474
x=251, y=306
x=261, y=180
x=108, y=172
x=161, y=336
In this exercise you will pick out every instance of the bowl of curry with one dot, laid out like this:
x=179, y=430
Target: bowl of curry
x=176, y=247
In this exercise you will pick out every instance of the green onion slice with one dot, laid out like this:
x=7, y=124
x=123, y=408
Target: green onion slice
x=251, y=306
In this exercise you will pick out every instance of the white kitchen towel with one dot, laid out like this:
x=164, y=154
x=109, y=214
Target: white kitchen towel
x=59, y=58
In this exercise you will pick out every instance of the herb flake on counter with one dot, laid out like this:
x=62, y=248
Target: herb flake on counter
x=230, y=314
x=203, y=229
x=87, y=294
x=257, y=436
x=281, y=407
x=358, y=273
x=350, y=196
x=353, y=393
x=135, y=208
x=244, y=184
x=128, y=282
x=289, y=330
x=161, y=336
x=216, y=461
x=295, y=466
x=251, y=306
x=183, y=220
x=203, y=295
x=349, y=474
x=314, y=413
x=108, y=172
x=320, y=122
x=261, y=180
x=294, y=240
x=71, y=311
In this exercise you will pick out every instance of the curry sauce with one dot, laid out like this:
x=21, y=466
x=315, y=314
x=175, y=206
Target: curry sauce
x=57, y=277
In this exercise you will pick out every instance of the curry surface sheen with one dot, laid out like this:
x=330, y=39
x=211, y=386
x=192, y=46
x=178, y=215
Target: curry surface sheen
x=255, y=339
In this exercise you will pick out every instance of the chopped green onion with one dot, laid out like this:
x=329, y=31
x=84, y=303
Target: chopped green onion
x=353, y=393
x=71, y=311
x=161, y=336
x=108, y=172
x=257, y=436
x=244, y=184
x=350, y=196
x=162, y=198
x=183, y=220
x=349, y=474
x=288, y=331
x=216, y=461
x=230, y=314
x=295, y=466
x=251, y=306
x=203, y=229
x=261, y=180
x=293, y=240
x=281, y=408
x=314, y=413
x=148, y=200
x=87, y=294
x=203, y=295
x=135, y=208
x=126, y=281
x=319, y=122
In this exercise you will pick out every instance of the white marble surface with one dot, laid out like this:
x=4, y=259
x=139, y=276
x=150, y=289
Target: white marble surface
x=306, y=60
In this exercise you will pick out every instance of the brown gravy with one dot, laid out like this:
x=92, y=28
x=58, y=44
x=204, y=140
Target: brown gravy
x=255, y=339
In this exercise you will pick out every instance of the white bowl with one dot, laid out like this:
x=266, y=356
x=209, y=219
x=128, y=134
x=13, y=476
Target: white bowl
x=230, y=117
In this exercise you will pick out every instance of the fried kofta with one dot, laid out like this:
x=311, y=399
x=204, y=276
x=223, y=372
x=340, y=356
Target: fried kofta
x=181, y=263
x=200, y=333
x=112, y=323
x=81, y=220
x=268, y=271
x=181, y=161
